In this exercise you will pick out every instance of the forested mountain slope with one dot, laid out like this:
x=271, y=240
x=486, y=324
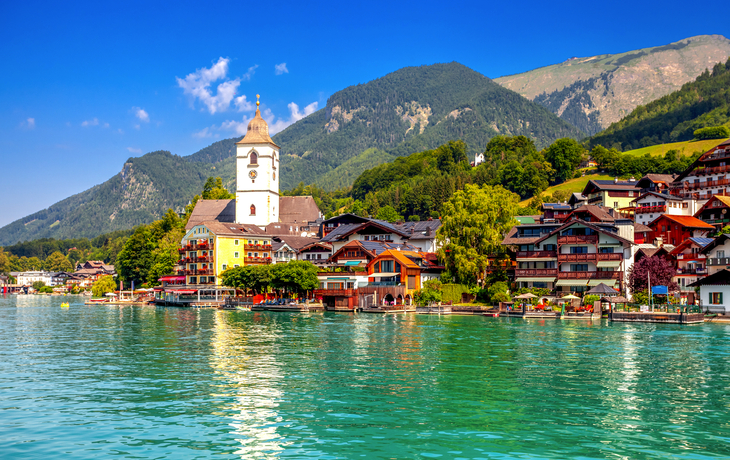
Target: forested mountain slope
x=701, y=103
x=593, y=92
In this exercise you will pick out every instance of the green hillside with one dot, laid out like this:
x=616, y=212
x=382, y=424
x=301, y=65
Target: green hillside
x=571, y=186
x=593, y=92
x=684, y=148
x=701, y=103
x=410, y=110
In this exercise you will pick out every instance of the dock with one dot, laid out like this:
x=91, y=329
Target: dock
x=656, y=317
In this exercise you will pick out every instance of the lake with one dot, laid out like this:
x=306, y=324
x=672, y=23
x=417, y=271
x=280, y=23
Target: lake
x=143, y=382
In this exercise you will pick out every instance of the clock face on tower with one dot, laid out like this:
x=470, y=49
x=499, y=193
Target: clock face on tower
x=252, y=174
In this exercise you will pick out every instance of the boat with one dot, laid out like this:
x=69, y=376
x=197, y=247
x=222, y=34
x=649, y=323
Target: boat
x=65, y=305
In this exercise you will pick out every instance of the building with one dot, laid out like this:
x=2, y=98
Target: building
x=714, y=292
x=657, y=183
x=555, y=212
x=616, y=194
x=715, y=212
x=286, y=247
x=669, y=229
x=651, y=205
x=690, y=262
x=30, y=277
x=706, y=176
x=210, y=248
x=318, y=253
x=717, y=254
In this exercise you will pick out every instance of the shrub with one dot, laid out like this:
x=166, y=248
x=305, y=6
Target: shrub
x=589, y=299
x=712, y=132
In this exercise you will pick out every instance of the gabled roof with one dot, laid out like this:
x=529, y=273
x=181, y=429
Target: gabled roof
x=684, y=221
x=595, y=184
x=664, y=196
x=720, y=278
x=343, y=231
x=576, y=197
x=585, y=224
x=351, y=218
x=319, y=244
x=298, y=209
x=701, y=242
x=210, y=210
x=640, y=228
x=598, y=212
x=715, y=242
x=423, y=230
x=297, y=242
x=665, y=179
x=557, y=206
x=232, y=229
x=725, y=200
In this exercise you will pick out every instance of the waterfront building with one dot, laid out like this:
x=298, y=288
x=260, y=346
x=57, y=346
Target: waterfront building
x=286, y=247
x=651, y=205
x=210, y=248
x=534, y=267
x=714, y=292
x=689, y=262
x=707, y=176
x=674, y=230
x=716, y=212
x=317, y=252
x=27, y=278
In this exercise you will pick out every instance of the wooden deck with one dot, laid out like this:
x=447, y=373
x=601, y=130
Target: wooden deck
x=656, y=317
x=435, y=310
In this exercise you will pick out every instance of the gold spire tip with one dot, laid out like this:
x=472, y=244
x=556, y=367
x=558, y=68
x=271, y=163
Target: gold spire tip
x=257, y=100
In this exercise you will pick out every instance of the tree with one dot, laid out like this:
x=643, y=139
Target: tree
x=135, y=259
x=37, y=285
x=165, y=256
x=429, y=293
x=103, y=285
x=565, y=155
x=387, y=213
x=214, y=190
x=296, y=276
x=661, y=271
x=4, y=262
x=712, y=132
x=474, y=221
x=498, y=292
x=57, y=262
x=256, y=278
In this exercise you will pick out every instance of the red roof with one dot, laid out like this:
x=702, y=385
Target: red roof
x=172, y=278
x=686, y=221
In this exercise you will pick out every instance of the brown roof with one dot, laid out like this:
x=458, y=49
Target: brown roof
x=638, y=228
x=667, y=178
x=232, y=229
x=298, y=209
x=596, y=211
x=297, y=242
x=590, y=225
x=258, y=131
x=212, y=210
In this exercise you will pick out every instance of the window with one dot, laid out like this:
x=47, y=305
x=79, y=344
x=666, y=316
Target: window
x=266, y=254
x=684, y=205
x=235, y=242
x=716, y=298
x=253, y=210
x=255, y=254
x=615, y=204
x=377, y=268
x=319, y=256
x=578, y=267
x=249, y=254
x=225, y=267
x=235, y=255
x=235, y=266
x=386, y=266
x=579, y=249
x=606, y=250
x=549, y=247
x=254, y=158
x=720, y=254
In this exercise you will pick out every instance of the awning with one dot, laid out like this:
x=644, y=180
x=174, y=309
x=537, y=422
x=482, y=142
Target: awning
x=544, y=279
x=571, y=283
x=172, y=278
x=608, y=263
x=382, y=275
x=185, y=291
x=611, y=283
x=353, y=262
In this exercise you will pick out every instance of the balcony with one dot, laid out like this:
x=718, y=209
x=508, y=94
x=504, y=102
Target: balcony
x=535, y=254
x=718, y=261
x=521, y=272
x=590, y=275
x=577, y=257
x=257, y=260
x=578, y=239
x=610, y=256
x=205, y=271
x=652, y=209
x=691, y=271
x=198, y=260
x=335, y=292
x=260, y=247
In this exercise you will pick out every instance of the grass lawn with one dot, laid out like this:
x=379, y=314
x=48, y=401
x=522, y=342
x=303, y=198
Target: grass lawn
x=684, y=148
x=573, y=185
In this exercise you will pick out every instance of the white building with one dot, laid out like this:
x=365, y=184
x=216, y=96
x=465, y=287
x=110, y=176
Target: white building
x=651, y=205
x=257, y=183
x=28, y=278
x=718, y=254
x=715, y=292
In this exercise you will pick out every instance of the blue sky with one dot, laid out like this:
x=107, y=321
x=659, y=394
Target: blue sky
x=86, y=85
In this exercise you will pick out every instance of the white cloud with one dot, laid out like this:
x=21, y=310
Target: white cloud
x=134, y=150
x=28, y=124
x=242, y=104
x=136, y=126
x=205, y=132
x=93, y=122
x=197, y=85
x=247, y=76
x=141, y=114
x=106, y=125
x=280, y=68
x=295, y=115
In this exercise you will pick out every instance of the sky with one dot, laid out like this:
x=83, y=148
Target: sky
x=86, y=85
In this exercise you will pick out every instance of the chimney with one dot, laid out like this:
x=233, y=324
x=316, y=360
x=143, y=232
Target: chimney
x=615, y=180
x=659, y=241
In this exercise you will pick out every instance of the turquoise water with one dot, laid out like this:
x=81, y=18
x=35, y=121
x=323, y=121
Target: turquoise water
x=145, y=382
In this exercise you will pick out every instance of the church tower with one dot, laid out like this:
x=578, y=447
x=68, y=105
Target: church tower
x=257, y=179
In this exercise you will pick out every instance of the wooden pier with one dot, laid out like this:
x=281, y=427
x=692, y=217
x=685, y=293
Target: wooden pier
x=656, y=317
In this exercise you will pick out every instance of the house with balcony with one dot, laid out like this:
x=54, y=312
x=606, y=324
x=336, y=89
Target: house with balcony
x=316, y=252
x=707, y=176
x=717, y=254
x=396, y=275
x=286, y=247
x=535, y=266
x=669, y=229
x=657, y=183
x=592, y=213
x=714, y=292
x=689, y=262
x=555, y=212
x=577, y=256
x=715, y=212
x=651, y=205
x=616, y=194
x=346, y=228
x=210, y=248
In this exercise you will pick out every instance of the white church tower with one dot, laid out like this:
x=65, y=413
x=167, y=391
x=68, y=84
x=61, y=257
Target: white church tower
x=257, y=178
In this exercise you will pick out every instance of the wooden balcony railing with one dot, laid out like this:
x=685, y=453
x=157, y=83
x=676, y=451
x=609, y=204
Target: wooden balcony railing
x=534, y=254
x=648, y=209
x=257, y=260
x=578, y=239
x=520, y=272
x=335, y=292
x=577, y=257
x=610, y=256
x=590, y=275
x=714, y=261
x=259, y=247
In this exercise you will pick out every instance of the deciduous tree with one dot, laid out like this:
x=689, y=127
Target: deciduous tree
x=661, y=271
x=57, y=262
x=565, y=155
x=103, y=285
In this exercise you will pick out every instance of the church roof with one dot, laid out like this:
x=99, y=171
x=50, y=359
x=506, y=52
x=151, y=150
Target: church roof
x=258, y=130
x=212, y=210
x=298, y=209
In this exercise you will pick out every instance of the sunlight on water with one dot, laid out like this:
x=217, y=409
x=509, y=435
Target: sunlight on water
x=145, y=382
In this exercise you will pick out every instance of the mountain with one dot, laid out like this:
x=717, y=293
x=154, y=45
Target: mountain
x=410, y=110
x=593, y=92
x=673, y=118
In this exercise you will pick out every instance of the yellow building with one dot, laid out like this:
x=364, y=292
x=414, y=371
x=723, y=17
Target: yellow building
x=616, y=194
x=209, y=248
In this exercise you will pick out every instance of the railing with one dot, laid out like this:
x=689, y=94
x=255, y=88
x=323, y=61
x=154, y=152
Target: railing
x=257, y=260
x=577, y=257
x=533, y=254
x=195, y=247
x=715, y=221
x=536, y=272
x=610, y=256
x=648, y=209
x=205, y=271
x=577, y=239
x=718, y=261
x=335, y=292
x=691, y=271
x=590, y=275
x=384, y=283
x=257, y=246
